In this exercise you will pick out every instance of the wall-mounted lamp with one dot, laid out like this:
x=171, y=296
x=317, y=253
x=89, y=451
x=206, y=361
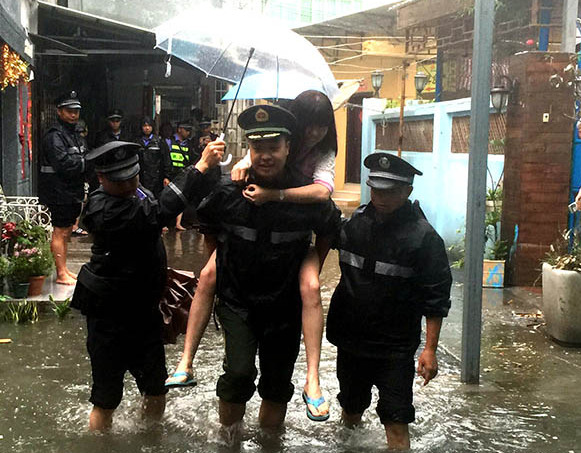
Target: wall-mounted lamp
x=376, y=81
x=502, y=93
x=420, y=81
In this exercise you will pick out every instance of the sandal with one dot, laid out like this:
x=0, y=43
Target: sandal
x=80, y=232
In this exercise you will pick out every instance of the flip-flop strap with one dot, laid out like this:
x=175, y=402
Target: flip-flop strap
x=315, y=403
x=180, y=374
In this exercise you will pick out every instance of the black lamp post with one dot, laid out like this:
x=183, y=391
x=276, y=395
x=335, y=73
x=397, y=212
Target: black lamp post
x=376, y=81
x=500, y=94
x=420, y=82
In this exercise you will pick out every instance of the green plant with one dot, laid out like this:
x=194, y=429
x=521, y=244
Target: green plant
x=498, y=250
x=4, y=266
x=457, y=252
x=42, y=262
x=494, y=194
x=61, y=309
x=19, y=311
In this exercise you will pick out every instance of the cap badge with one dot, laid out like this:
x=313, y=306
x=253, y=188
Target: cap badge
x=73, y=94
x=120, y=154
x=384, y=162
x=261, y=116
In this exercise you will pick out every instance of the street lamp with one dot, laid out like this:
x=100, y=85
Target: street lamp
x=420, y=82
x=376, y=81
x=501, y=93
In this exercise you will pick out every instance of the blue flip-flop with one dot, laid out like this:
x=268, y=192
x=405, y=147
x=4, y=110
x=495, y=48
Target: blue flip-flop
x=173, y=380
x=316, y=403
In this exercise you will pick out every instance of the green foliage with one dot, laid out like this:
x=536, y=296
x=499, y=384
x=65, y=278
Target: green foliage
x=61, y=309
x=492, y=218
x=457, y=252
x=498, y=250
x=42, y=263
x=18, y=312
x=4, y=266
x=494, y=194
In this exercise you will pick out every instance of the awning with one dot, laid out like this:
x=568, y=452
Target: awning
x=58, y=34
x=374, y=22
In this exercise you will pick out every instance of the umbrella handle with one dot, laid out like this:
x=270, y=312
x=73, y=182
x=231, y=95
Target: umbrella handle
x=228, y=157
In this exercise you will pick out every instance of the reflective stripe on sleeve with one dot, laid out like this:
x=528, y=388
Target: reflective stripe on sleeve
x=351, y=259
x=47, y=169
x=178, y=192
x=393, y=270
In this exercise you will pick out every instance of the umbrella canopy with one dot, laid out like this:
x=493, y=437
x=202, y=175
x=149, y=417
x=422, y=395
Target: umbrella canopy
x=285, y=85
x=220, y=44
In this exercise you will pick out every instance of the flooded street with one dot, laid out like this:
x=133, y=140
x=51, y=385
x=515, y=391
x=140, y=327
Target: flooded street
x=528, y=400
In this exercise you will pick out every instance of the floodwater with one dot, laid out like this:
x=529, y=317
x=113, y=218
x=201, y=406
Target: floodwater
x=528, y=400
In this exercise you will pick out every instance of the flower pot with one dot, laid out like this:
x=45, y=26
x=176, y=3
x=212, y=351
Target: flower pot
x=562, y=304
x=36, y=283
x=493, y=273
x=18, y=290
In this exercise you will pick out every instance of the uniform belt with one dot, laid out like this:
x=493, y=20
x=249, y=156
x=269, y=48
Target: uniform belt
x=276, y=237
x=47, y=169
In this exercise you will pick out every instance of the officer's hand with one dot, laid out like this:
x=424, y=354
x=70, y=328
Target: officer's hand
x=428, y=365
x=239, y=172
x=165, y=181
x=258, y=195
x=578, y=200
x=211, y=156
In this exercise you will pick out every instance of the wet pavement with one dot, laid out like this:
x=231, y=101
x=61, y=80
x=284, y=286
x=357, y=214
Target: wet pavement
x=528, y=399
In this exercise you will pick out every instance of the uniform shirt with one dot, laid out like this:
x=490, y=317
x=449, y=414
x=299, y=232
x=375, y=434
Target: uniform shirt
x=62, y=166
x=151, y=162
x=260, y=250
x=107, y=135
x=393, y=272
x=128, y=260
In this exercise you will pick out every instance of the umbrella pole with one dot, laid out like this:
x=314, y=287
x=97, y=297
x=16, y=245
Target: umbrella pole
x=223, y=134
x=237, y=91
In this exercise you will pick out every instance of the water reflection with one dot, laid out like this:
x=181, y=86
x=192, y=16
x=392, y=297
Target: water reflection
x=521, y=405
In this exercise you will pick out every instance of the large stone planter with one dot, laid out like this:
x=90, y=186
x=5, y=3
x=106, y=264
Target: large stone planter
x=562, y=304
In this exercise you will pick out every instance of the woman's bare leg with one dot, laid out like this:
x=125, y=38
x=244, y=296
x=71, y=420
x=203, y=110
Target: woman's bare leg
x=312, y=317
x=199, y=316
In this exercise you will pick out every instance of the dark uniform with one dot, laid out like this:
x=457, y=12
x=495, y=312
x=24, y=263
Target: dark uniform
x=394, y=270
x=107, y=135
x=120, y=287
x=151, y=162
x=62, y=168
x=259, y=253
x=180, y=154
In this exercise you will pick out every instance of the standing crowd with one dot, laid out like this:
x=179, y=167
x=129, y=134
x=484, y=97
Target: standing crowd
x=263, y=267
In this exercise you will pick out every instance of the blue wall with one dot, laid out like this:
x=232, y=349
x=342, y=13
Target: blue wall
x=442, y=190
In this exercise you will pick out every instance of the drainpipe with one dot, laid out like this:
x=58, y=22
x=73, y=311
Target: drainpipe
x=439, y=69
x=544, y=18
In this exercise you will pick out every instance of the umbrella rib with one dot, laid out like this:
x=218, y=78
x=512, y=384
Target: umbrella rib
x=218, y=59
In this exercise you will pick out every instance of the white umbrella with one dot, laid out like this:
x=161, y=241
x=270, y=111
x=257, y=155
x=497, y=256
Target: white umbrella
x=220, y=45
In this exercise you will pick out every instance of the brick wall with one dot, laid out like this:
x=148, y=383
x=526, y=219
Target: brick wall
x=537, y=161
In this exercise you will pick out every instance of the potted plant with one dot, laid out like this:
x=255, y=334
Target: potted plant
x=561, y=289
x=28, y=250
x=20, y=270
x=41, y=266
